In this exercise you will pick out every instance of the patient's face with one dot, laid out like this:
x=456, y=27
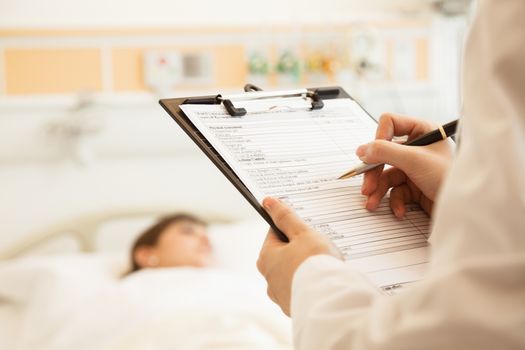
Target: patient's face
x=183, y=243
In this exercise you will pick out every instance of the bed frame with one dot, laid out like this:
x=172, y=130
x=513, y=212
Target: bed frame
x=84, y=228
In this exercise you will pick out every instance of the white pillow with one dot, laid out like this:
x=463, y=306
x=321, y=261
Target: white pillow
x=21, y=278
x=237, y=245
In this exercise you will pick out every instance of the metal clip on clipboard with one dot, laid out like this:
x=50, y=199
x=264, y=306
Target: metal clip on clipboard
x=253, y=92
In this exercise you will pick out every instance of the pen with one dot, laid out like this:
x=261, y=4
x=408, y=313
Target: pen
x=441, y=133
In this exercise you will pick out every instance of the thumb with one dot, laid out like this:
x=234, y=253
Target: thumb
x=284, y=217
x=392, y=153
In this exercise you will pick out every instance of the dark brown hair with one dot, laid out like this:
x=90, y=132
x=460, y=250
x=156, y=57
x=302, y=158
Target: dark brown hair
x=150, y=237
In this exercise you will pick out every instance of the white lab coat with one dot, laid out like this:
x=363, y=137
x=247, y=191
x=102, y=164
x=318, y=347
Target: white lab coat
x=473, y=295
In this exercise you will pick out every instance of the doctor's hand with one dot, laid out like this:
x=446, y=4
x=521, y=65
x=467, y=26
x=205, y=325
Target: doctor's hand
x=417, y=171
x=278, y=260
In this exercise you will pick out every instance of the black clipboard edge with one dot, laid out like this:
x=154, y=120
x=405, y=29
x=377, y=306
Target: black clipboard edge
x=188, y=127
x=172, y=107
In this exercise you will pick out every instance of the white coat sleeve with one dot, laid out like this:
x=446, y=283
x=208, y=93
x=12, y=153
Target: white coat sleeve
x=473, y=295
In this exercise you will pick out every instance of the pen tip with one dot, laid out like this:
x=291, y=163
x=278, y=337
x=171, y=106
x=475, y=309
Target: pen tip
x=347, y=175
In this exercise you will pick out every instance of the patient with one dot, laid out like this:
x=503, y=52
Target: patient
x=177, y=297
x=174, y=241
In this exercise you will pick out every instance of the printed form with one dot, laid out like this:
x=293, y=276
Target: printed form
x=296, y=155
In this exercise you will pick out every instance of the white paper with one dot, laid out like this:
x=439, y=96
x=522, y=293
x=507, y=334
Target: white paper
x=297, y=155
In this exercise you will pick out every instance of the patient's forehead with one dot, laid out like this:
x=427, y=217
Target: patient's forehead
x=183, y=223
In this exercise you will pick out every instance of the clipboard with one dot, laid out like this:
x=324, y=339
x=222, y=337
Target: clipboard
x=314, y=95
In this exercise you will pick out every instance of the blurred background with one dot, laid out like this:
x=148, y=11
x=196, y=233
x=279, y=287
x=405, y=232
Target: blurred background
x=81, y=131
x=89, y=159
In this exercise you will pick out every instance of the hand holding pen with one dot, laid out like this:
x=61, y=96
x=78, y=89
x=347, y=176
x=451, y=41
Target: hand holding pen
x=417, y=172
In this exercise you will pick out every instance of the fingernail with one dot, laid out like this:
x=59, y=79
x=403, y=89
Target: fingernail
x=269, y=202
x=399, y=213
x=365, y=190
x=361, y=150
x=369, y=204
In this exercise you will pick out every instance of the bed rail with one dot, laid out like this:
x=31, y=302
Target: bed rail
x=84, y=228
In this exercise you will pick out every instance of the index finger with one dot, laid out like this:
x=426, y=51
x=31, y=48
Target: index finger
x=391, y=125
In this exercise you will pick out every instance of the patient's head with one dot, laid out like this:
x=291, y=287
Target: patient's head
x=174, y=241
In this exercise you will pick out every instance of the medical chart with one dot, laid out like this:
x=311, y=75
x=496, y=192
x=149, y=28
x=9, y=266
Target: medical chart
x=297, y=155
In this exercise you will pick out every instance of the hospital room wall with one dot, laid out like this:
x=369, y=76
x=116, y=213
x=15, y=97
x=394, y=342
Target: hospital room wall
x=161, y=13
x=132, y=157
x=65, y=151
x=401, y=62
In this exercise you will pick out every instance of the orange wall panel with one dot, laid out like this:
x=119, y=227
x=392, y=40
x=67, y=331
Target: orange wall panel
x=128, y=69
x=50, y=70
x=422, y=59
x=230, y=68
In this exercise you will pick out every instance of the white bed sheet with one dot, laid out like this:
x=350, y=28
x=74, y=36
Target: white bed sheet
x=81, y=301
x=184, y=308
x=36, y=291
x=179, y=308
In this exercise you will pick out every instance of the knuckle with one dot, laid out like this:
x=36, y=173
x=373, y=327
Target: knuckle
x=270, y=294
x=386, y=121
x=385, y=117
x=261, y=263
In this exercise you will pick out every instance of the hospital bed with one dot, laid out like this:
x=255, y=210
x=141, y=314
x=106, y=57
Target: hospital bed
x=56, y=283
